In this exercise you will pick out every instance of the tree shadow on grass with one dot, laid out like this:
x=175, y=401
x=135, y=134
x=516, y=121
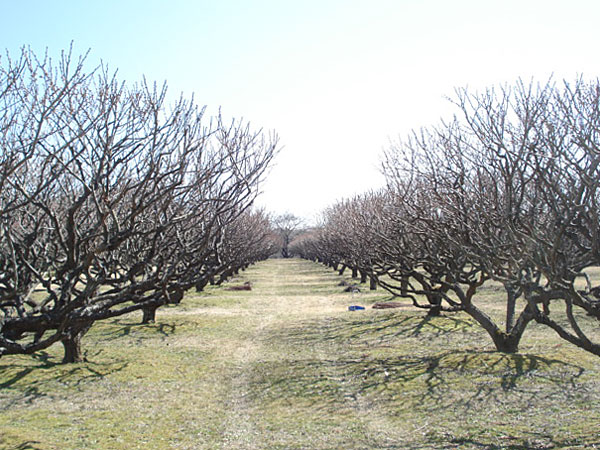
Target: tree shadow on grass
x=45, y=363
x=433, y=382
x=27, y=445
x=355, y=365
x=498, y=377
x=120, y=329
x=32, y=381
x=381, y=327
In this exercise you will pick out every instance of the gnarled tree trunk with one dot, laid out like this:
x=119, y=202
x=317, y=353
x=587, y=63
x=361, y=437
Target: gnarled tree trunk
x=435, y=300
x=72, y=344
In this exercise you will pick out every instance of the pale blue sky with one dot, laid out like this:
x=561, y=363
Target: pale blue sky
x=336, y=79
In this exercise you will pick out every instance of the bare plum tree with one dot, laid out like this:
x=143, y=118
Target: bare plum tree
x=110, y=201
x=506, y=191
x=286, y=225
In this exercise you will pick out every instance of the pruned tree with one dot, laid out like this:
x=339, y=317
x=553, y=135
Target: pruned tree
x=349, y=235
x=506, y=191
x=506, y=194
x=110, y=201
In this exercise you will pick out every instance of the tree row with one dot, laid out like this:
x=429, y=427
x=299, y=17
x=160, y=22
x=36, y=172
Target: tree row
x=505, y=192
x=112, y=200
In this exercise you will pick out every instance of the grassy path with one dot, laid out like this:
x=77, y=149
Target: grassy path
x=287, y=366
x=281, y=298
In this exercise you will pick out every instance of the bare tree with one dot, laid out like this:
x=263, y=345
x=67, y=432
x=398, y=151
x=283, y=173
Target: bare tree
x=350, y=230
x=246, y=240
x=505, y=191
x=286, y=225
x=507, y=196
x=111, y=202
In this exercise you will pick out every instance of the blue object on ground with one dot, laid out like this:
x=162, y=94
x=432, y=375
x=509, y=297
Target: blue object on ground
x=355, y=308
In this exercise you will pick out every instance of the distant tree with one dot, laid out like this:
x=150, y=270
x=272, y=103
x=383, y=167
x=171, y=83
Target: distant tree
x=286, y=225
x=246, y=240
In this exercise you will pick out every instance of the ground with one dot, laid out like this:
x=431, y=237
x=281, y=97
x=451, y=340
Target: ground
x=287, y=366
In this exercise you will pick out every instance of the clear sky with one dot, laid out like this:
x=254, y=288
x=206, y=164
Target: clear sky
x=337, y=79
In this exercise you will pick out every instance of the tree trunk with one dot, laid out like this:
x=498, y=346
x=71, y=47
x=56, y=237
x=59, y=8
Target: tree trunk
x=373, y=283
x=342, y=270
x=224, y=276
x=200, y=285
x=149, y=314
x=354, y=272
x=435, y=310
x=404, y=285
x=363, y=276
x=285, y=253
x=506, y=343
x=435, y=301
x=511, y=301
x=72, y=345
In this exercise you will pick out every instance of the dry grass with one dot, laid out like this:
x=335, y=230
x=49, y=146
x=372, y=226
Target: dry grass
x=286, y=366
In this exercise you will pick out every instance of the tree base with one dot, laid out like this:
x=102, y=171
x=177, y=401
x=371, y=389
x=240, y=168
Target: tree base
x=72, y=345
x=149, y=315
x=434, y=312
x=373, y=284
x=506, y=343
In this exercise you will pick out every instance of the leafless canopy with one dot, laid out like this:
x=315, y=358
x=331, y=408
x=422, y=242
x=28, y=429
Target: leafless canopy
x=111, y=200
x=286, y=225
x=507, y=190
